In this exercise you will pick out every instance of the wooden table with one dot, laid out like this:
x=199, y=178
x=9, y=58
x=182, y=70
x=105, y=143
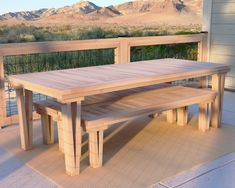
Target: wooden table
x=71, y=86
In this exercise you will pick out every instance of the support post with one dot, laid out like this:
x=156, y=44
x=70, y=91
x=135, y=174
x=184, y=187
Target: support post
x=122, y=53
x=203, y=48
x=3, y=113
x=203, y=56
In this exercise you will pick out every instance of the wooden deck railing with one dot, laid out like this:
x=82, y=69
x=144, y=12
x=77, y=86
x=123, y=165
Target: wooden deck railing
x=122, y=48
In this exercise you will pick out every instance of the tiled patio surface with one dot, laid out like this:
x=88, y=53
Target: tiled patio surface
x=136, y=154
x=218, y=173
x=14, y=173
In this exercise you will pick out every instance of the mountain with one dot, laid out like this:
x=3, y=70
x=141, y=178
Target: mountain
x=159, y=6
x=106, y=12
x=83, y=7
x=133, y=12
x=24, y=15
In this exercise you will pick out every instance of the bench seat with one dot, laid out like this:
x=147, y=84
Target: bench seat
x=143, y=103
x=126, y=105
x=53, y=108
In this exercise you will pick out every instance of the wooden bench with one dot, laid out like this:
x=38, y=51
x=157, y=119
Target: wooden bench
x=50, y=110
x=129, y=104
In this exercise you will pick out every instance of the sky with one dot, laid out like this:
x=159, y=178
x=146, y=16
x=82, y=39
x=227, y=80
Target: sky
x=23, y=5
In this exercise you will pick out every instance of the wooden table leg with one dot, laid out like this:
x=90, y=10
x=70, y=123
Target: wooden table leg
x=71, y=118
x=218, y=81
x=25, y=111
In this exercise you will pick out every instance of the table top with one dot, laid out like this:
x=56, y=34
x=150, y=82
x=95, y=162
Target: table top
x=70, y=84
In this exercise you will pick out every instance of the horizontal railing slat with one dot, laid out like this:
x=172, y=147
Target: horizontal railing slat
x=159, y=40
x=55, y=46
x=64, y=46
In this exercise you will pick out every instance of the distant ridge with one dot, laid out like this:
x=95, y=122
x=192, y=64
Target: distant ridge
x=86, y=11
x=24, y=15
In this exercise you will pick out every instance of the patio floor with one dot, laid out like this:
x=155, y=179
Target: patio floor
x=141, y=153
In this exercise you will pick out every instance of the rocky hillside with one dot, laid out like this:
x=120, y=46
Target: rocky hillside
x=25, y=15
x=83, y=7
x=157, y=6
x=126, y=12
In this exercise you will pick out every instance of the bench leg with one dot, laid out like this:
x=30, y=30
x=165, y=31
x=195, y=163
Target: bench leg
x=96, y=148
x=171, y=116
x=60, y=135
x=47, y=129
x=204, y=118
x=154, y=115
x=182, y=116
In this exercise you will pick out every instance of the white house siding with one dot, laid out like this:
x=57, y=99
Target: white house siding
x=222, y=36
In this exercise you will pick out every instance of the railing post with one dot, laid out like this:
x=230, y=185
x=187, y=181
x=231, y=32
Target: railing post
x=203, y=48
x=2, y=94
x=203, y=56
x=122, y=53
x=117, y=55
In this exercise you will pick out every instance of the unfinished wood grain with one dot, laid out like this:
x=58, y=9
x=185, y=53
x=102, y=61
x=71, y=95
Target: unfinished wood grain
x=47, y=129
x=203, y=117
x=204, y=82
x=97, y=116
x=120, y=45
x=142, y=104
x=2, y=94
x=182, y=116
x=57, y=46
x=96, y=80
x=79, y=83
x=29, y=114
x=116, y=55
x=203, y=49
x=96, y=148
x=122, y=53
x=171, y=116
x=51, y=110
x=132, y=104
x=147, y=41
x=217, y=86
x=24, y=123
x=60, y=135
x=60, y=46
x=71, y=118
